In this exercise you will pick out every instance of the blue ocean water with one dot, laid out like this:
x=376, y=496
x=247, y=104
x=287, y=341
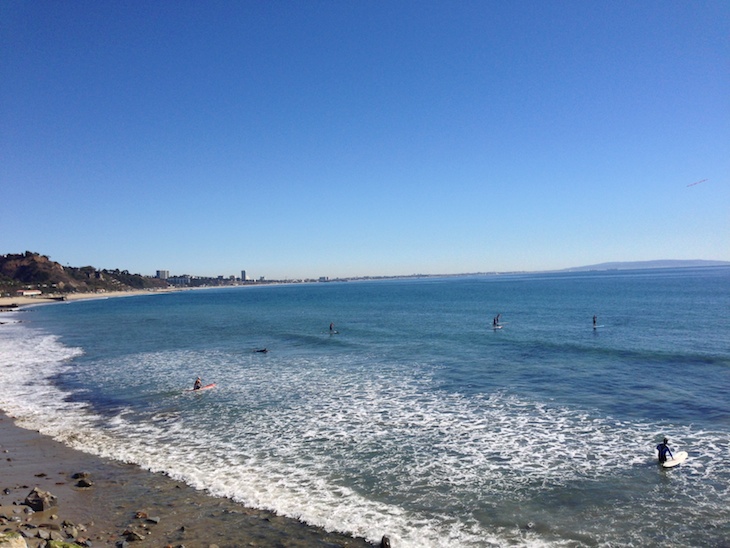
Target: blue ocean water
x=416, y=419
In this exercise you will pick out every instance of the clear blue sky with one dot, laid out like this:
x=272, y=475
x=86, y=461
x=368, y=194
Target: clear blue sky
x=340, y=138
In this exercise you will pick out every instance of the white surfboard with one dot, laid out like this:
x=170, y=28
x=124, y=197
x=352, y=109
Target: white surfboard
x=678, y=459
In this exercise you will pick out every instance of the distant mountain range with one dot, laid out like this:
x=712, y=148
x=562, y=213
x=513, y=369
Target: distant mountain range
x=638, y=265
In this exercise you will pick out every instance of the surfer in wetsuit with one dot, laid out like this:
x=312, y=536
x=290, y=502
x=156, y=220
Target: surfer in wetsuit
x=198, y=384
x=594, y=320
x=663, y=449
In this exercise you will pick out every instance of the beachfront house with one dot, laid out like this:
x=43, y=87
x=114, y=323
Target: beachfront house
x=27, y=292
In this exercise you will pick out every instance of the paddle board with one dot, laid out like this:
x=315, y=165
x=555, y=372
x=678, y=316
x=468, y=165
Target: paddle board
x=496, y=327
x=678, y=459
x=597, y=326
x=206, y=387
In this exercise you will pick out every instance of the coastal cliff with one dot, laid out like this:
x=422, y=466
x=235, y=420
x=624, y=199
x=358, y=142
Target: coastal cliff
x=38, y=272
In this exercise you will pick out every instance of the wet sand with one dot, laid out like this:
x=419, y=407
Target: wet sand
x=172, y=513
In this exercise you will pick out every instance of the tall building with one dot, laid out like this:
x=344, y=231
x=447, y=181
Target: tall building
x=163, y=274
x=243, y=276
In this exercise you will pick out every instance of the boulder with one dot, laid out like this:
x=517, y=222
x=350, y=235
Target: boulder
x=12, y=540
x=40, y=500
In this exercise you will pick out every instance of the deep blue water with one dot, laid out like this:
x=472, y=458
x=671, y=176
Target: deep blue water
x=417, y=419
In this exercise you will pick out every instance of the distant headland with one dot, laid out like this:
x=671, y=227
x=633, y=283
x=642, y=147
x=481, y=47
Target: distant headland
x=642, y=265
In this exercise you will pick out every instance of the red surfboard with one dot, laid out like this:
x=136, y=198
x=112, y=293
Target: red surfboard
x=206, y=387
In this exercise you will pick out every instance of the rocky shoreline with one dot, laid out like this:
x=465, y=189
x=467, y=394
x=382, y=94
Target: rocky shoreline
x=52, y=496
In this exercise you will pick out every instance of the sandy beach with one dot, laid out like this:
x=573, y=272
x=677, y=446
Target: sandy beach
x=125, y=502
x=7, y=302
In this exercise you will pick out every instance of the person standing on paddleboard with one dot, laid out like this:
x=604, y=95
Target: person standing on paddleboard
x=663, y=449
x=198, y=384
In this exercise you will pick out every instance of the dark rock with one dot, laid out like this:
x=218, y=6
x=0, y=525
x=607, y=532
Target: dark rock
x=40, y=500
x=133, y=536
x=80, y=475
x=84, y=483
x=385, y=542
x=154, y=520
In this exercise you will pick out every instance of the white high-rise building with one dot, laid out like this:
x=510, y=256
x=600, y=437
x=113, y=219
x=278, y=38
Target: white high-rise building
x=163, y=274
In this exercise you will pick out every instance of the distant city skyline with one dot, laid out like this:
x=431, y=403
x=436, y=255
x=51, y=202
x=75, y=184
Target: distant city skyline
x=351, y=139
x=656, y=264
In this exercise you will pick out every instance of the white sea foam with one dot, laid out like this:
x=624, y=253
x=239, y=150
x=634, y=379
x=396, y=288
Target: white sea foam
x=368, y=452
x=28, y=360
x=342, y=443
